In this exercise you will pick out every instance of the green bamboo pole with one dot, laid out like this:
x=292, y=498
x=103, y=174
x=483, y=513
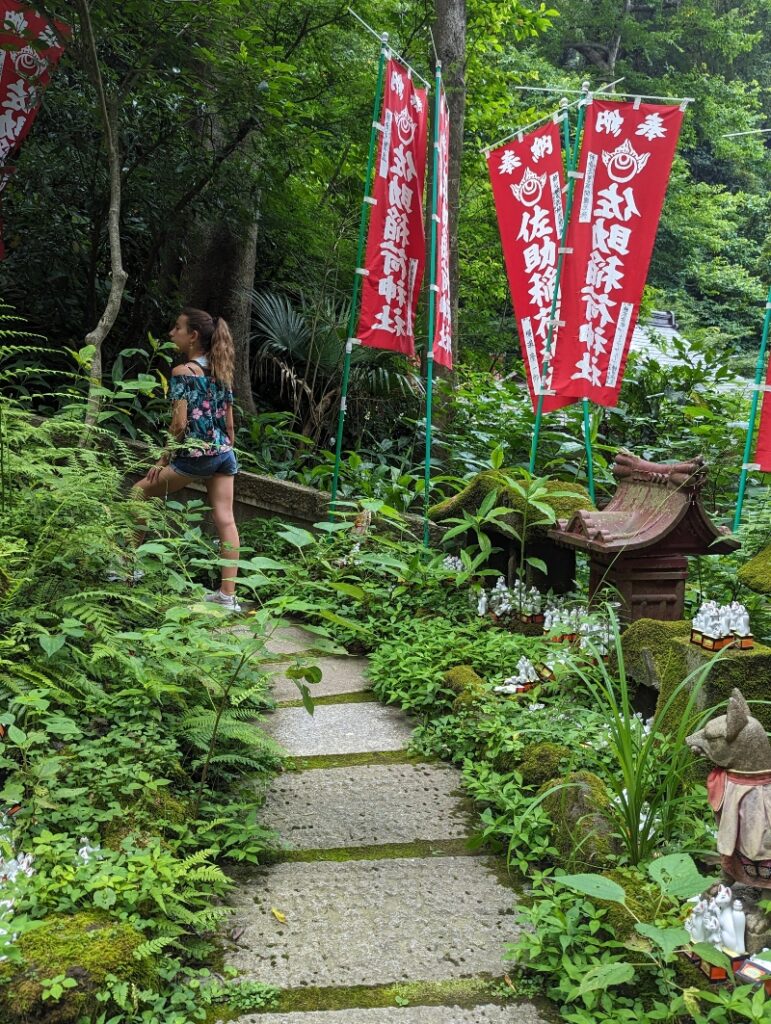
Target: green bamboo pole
x=560, y=262
x=432, y=292
x=365, y=203
x=759, y=370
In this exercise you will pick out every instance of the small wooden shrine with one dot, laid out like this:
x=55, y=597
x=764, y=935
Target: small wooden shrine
x=639, y=544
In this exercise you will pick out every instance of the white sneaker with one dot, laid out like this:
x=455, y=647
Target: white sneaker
x=123, y=576
x=224, y=600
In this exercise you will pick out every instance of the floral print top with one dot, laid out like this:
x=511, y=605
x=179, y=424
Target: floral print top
x=208, y=401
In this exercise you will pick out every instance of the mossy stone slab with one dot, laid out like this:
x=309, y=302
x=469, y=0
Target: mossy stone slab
x=521, y=1013
x=377, y=804
x=339, y=729
x=338, y=675
x=750, y=671
x=756, y=573
x=373, y=922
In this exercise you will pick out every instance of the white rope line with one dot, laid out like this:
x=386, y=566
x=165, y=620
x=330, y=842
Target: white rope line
x=382, y=37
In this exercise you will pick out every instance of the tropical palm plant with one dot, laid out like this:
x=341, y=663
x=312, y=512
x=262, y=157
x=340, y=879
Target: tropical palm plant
x=302, y=349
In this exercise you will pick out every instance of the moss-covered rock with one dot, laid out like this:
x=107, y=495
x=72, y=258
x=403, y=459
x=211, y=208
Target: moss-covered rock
x=543, y=761
x=86, y=947
x=756, y=573
x=468, y=699
x=643, y=899
x=460, y=678
x=580, y=811
x=472, y=496
x=647, y=649
x=749, y=671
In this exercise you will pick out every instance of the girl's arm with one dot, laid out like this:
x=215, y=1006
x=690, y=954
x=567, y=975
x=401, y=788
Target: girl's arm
x=177, y=429
x=229, y=424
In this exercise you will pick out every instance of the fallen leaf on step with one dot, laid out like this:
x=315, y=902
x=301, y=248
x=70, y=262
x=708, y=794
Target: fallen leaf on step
x=278, y=915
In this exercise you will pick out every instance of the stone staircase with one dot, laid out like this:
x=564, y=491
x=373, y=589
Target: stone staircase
x=377, y=913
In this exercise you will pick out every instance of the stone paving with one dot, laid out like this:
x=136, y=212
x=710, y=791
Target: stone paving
x=362, y=806
x=369, y=918
x=339, y=729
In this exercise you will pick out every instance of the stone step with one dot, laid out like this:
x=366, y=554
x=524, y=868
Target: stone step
x=339, y=729
x=339, y=675
x=519, y=1013
x=373, y=922
x=364, y=806
x=291, y=640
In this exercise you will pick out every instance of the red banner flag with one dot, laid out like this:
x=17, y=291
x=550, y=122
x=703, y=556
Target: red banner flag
x=528, y=178
x=29, y=51
x=396, y=245
x=443, y=328
x=763, y=450
x=626, y=156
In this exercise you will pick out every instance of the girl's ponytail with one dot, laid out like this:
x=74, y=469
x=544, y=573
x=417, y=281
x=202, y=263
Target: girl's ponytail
x=217, y=343
x=222, y=354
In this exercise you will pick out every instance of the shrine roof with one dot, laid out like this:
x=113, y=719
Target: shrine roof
x=655, y=505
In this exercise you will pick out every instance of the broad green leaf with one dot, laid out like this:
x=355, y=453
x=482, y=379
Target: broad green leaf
x=603, y=976
x=595, y=886
x=711, y=955
x=537, y=563
x=16, y=735
x=294, y=535
x=667, y=939
x=52, y=644
x=349, y=590
x=677, y=876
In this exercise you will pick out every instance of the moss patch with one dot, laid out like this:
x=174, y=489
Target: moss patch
x=86, y=946
x=643, y=898
x=460, y=678
x=647, y=648
x=465, y=993
x=304, y=764
x=472, y=496
x=543, y=761
x=581, y=820
x=747, y=670
x=387, y=851
x=355, y=697
x=756, y=574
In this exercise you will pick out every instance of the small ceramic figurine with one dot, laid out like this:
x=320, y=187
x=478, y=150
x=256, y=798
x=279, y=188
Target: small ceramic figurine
x=694, y=924
x=722, y=905
x=740, y=927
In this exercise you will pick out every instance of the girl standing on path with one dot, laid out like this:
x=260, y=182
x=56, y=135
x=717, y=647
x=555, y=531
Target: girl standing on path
x=202, y=432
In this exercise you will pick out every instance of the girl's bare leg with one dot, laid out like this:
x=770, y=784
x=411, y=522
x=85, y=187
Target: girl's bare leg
x=158, y=485
x=220, y=491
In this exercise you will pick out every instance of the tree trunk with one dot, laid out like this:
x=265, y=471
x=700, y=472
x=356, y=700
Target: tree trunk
x=450, y=38
x=108, y=112
x=220, y=279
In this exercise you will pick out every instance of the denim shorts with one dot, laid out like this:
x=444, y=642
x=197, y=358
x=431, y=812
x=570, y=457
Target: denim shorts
x=205, y=465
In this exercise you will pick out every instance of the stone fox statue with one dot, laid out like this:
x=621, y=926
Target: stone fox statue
x=739, y=790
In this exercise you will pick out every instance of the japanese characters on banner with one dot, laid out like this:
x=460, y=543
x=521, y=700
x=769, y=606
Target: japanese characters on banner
x=396, y=246
x=29, y=51
x=443, y=328
x=528, y=178
x=626, y=157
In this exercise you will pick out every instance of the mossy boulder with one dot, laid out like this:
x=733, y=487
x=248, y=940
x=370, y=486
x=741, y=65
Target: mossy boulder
x=543, y=761
x=756, y=573
x=642, y=898
x=582, y=829
x=474, y=493
x=647, y=649
x=460, y=678
x=86, y=946
x=468, y=699
x=749, y=671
